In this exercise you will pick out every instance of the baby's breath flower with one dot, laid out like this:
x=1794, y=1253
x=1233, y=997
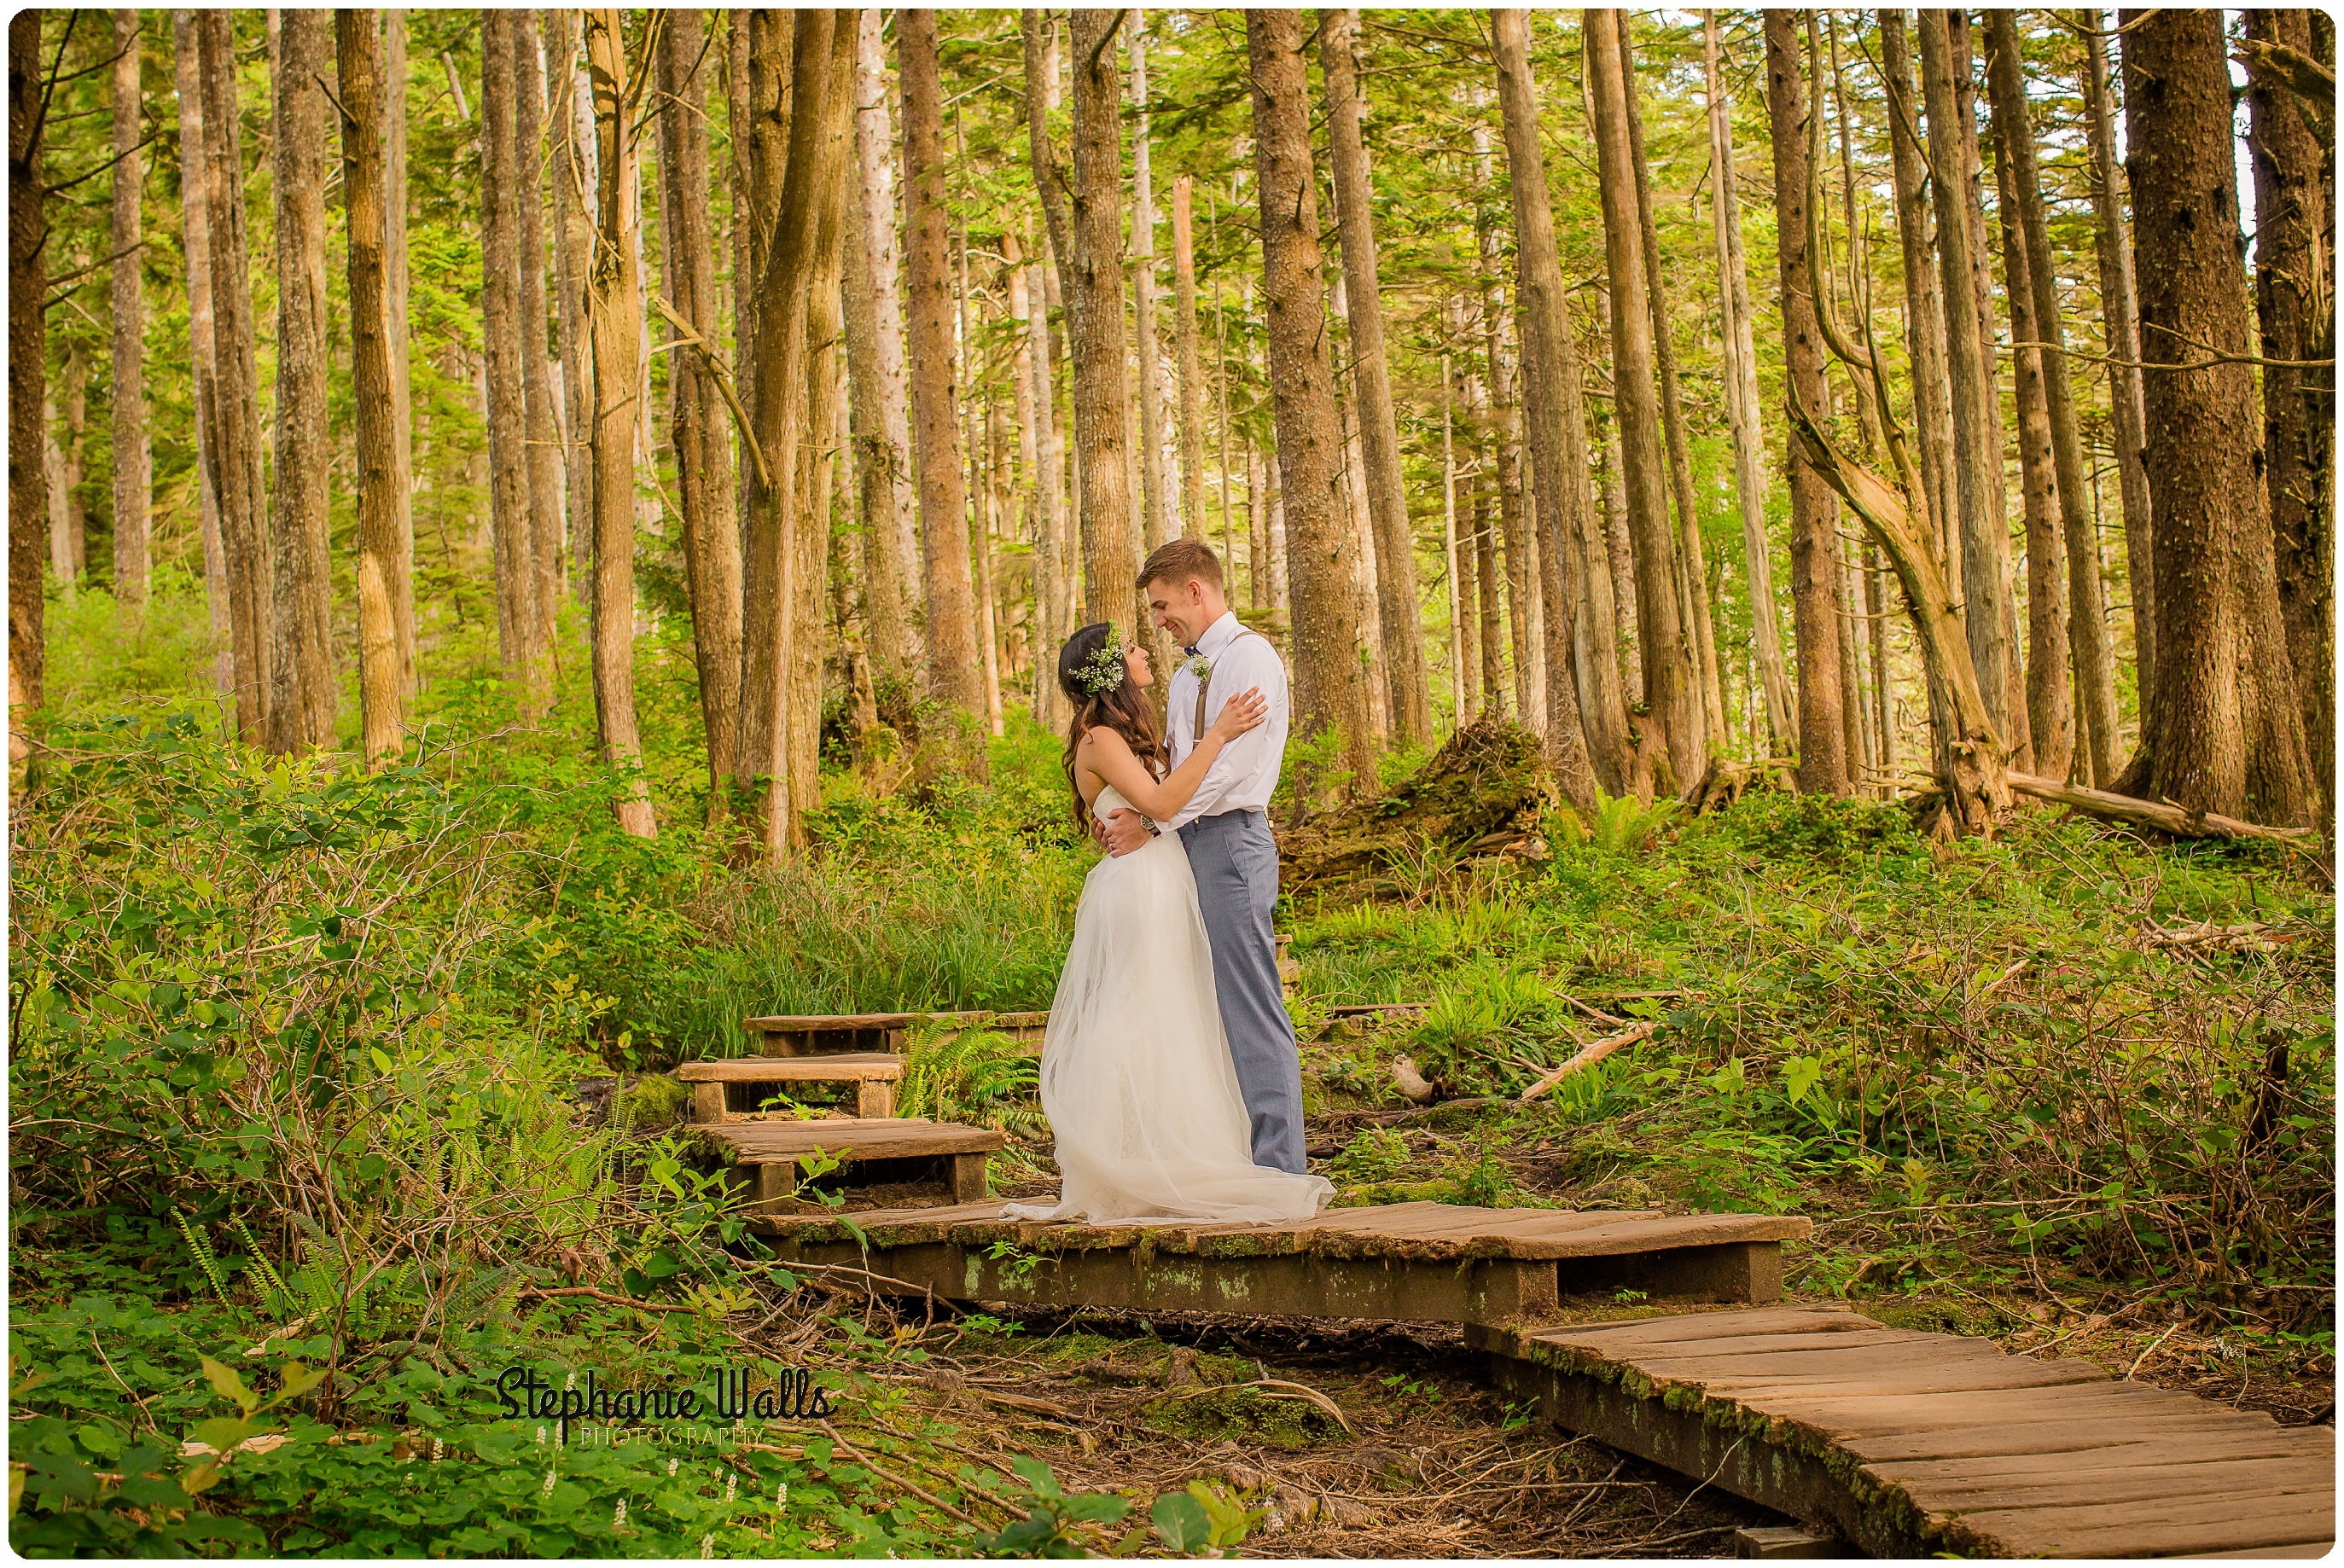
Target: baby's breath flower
x=781, y=1497
x=708, y=1544
x=672, y=1465
x=547, y=1490
x=540, y=1437
x=619, y=1515
x=731, y=1485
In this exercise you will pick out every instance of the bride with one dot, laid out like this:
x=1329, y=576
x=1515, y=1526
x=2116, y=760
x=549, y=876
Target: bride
x=1136, y=1078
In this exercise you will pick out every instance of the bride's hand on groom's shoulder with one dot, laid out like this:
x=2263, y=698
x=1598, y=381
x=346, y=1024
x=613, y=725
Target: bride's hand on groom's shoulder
x=1123, y=831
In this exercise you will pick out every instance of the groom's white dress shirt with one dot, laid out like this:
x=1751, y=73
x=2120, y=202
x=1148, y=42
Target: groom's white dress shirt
x=1245, y=775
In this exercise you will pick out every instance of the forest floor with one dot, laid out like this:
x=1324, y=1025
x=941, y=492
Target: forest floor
x=299, y=1073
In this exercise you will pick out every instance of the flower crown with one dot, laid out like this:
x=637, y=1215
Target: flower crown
x=1103, y=671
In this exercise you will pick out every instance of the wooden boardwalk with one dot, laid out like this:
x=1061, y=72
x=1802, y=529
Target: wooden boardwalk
x=1911, y=1445
x=1419, y=1263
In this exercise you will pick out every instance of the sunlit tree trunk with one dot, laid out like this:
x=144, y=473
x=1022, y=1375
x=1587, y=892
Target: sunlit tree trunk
x=541, y=456
x=1395, y=548
x=1742, y=400
x=614, y=304
x=1190, y=372
x=1924, y=308
x=521, y=641
x=2120, y=332
x=194, y=232
x=234, y=421
x=1823, y=762
x=1331, y=683
x=955, y=673
x=133, y=462
x=574, y=199
x=1094, y=280
x=301, y=667
x=875, y=229
x=1158, y=487
x=2295, y=297
x=395, y=295
x=710, y=517
x=374, y=408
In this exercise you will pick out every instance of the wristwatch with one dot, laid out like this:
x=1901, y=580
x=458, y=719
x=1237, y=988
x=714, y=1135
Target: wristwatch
x=1153, y=830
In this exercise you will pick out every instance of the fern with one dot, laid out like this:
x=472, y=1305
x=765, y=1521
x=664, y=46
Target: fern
x=203, y=1259
x=281, y=1301
x=979, y=1076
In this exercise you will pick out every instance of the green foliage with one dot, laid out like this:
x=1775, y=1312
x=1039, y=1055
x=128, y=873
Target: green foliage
x=1489, y=1028
x=1054, y=1528
x=1376, y=1154
x=976, y=1077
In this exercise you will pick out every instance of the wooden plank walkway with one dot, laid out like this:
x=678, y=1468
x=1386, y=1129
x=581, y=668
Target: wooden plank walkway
x=1909, y=1444
x=1436, y=1263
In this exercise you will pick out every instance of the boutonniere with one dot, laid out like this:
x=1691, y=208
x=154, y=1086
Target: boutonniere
x=1200, y=667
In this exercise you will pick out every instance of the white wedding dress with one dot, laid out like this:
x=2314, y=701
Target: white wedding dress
x=1137, y=1078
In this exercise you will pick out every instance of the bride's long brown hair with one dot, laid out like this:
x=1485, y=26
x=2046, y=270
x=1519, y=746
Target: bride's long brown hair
x=1122, y=707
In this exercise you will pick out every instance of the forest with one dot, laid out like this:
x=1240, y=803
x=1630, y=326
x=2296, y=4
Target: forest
x=537, y=535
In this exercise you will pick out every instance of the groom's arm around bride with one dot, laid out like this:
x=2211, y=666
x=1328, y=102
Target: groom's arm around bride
x=1225, y=828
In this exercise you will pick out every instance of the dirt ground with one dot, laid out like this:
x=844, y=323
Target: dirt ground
x=1425, y=1459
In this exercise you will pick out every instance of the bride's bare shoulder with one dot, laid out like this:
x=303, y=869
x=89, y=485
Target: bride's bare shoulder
x=1101, y=738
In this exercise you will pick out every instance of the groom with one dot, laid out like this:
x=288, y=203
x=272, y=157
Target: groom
x=1226, y=827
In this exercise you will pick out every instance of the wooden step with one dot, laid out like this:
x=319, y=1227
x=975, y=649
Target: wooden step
x=873, y=1073
x=831, y=1034
x=766, y=1153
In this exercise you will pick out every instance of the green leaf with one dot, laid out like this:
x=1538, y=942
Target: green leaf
x=1181, y=1520
x=1038, y=1475
x=298, y=1380
x=226, y=1383
x=381, y=1060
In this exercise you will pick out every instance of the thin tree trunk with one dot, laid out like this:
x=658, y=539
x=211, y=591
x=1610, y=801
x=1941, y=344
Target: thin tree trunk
x=1924, y=308
x=68, y=516
x=301, y=701
x=2120, y=331
x=1580, y=679
x=395, y=293
x=1331, y=684
x=881, y=272
x=1977, y=426
x=988, y=521
x=614, y=304
x=2096, y=715
x=1191, y=375
x=1395, y=546
x=520, y=640
x=542, y=453
x=2294, y=295
x=1883, y=696
x=1458, y=686
x=1814, y=545
x=195, y=208
x=710, y=516
x=1505, y=436
x=133, y=462
x=1158, y=489
x=374, y=407
x=1487, y=601
x=1671, y=669
x=2050, y=715
x=1094, y=282
x=1742, y=399
x=812, y=530
x=28, y=482
x=1030, y=396
x=2224, y=733
x=575, y=200
x=1701, y=631
x=233, y=420
x=955, y=673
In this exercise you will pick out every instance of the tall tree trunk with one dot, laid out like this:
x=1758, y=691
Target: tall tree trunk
x=1701, y=631
x=2120, y=331
x=1814, y=543
x=1742, y=400
x=1160, y=521
x=1505, y=431
x=401, y=586
x=614, y=304
x=2295, y=297
x=574, y=254
x=1396, y=606
x=233, y=420
x=2095, y=717
x=301, y=701
x=880, y=397
x=1978, y=425
x=1672, y=676
x=1191, y=375
x=1884, y=698
x=710, y=517
x=195, y=229
x=2224, y=733
x=28, y=482
x=520, y=639
x=1460, y=688
x=955, y=673
x=812, y=530
x=1581, y=679
x=374, y=408
x=133, y=462
x=542, y=455
x=1094, y=280
x=1331, y=683
x=68, y=516
x=1924, y=304
x=1035, y=456
x=2050, y=713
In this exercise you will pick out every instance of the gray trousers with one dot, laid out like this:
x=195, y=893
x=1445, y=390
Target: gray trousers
x=1236, y=864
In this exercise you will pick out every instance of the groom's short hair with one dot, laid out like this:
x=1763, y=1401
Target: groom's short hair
x=1178, y=560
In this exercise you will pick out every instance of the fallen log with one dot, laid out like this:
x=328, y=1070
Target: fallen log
x=1482, y=792
x=1591, y=1056
x=2161, y=815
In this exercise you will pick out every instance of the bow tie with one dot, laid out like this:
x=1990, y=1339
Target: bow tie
x=1190, y=651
